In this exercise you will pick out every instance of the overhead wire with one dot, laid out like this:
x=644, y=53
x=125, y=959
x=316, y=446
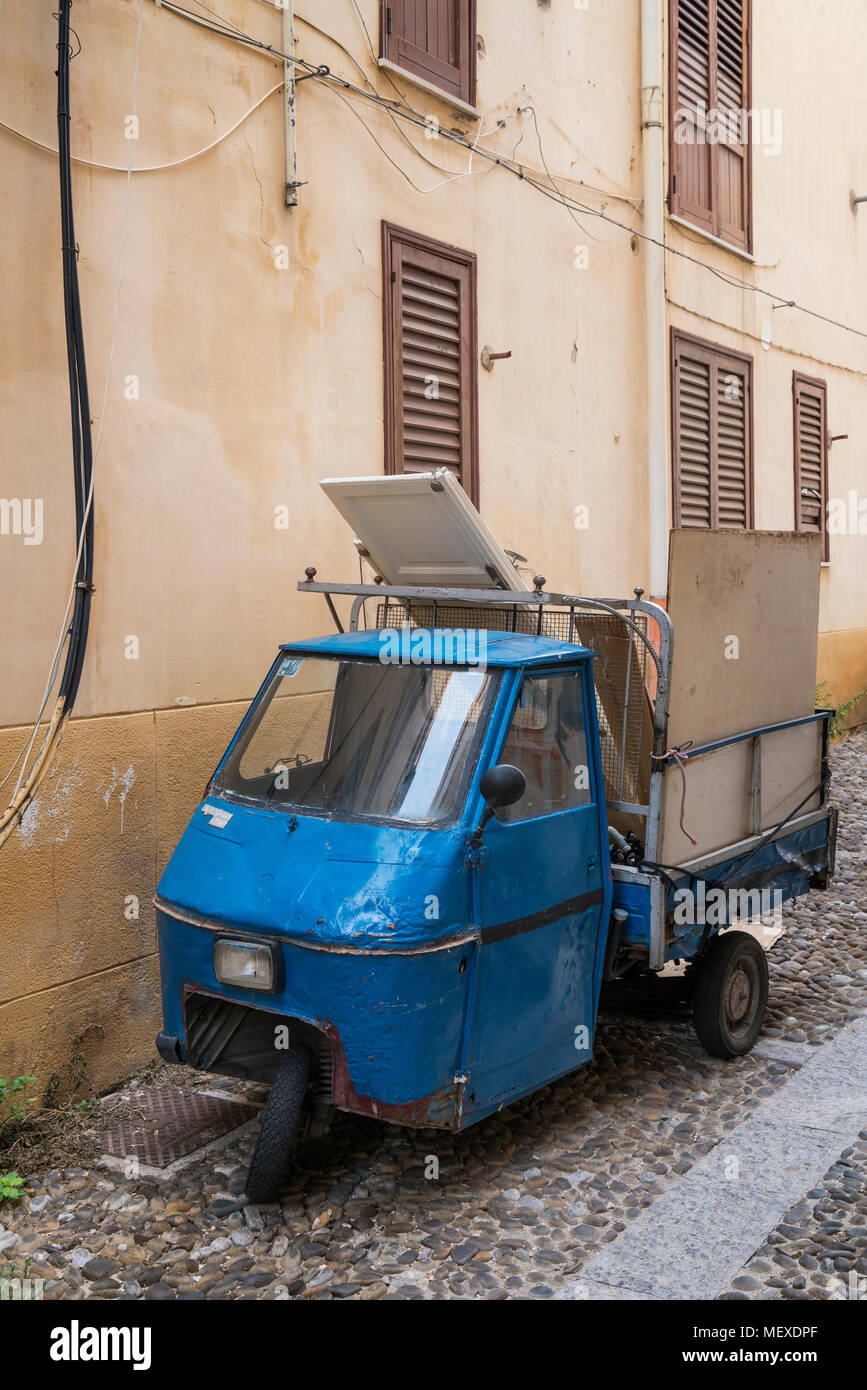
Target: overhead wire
x=386, y=74
x=402, y=98
x=333, y=80
x=398, y=106
x=269, y=51
x=555, y=195
x=450, y=177
x=150, y=168
x=564, y=178
x=228, y=23
x=582, y=229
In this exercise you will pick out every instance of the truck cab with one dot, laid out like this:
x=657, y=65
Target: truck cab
x=343, y=879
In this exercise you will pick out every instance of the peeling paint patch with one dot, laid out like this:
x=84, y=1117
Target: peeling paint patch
x=47, y=810
x=126, y=782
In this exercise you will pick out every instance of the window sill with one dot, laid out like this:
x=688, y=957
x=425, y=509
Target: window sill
x=714, y=240
x=455, y=103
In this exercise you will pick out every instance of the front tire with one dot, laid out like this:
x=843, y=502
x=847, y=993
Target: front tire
x=279, y=1120
x=731, y=994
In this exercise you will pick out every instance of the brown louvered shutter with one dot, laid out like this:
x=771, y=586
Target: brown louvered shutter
x=435, y=39
x=731, y=153
x=692, y=438
x=811, y=456
x=430, y=354
x=711, y=436
x=691, y=87
x=709, y=138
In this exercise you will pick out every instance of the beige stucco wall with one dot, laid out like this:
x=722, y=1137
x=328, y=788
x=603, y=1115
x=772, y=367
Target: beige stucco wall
x=254, y=381
x=77, y=884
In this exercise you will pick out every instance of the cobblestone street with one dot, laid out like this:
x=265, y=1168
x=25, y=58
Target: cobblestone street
x=526, y=1201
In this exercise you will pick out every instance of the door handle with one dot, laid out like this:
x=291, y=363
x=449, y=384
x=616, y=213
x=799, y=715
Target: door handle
x=592, y=861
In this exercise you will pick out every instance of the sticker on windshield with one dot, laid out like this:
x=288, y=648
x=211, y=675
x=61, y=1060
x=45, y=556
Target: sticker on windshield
x=290, y=666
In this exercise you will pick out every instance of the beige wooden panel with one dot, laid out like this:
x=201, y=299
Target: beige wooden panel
x=762, y=589
x=719, y=804
x=791, y=767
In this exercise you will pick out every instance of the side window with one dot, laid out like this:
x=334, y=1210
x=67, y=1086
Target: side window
x=709, y=138
x=435, y=40
x=547, y=741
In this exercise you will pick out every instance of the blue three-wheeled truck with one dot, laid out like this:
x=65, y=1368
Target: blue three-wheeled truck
x=406, y=884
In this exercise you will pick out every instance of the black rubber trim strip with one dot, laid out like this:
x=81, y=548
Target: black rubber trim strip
x=519, y=925
x=181, y=914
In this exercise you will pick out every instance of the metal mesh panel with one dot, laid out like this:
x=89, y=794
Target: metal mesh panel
x=620, y=671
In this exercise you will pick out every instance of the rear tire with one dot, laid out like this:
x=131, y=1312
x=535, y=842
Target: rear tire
x=731, y=994
x=279, y=1120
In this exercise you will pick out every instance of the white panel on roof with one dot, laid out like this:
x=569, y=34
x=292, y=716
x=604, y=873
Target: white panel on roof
x=422, y=529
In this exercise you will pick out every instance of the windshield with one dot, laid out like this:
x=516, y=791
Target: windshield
x=361, y=738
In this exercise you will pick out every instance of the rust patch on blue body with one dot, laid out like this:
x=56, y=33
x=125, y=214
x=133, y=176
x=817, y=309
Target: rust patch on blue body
x=439, y=1110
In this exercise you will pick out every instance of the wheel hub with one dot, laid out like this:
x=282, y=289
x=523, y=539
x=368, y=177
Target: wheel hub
x=739, y=992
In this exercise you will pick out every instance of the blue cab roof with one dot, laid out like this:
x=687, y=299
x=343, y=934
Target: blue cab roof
x=502, y=648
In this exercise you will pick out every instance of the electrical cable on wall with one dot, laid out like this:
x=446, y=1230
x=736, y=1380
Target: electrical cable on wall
x=401, y=110
x=74, y=628
x=151, y=168
x=500, y=124
x=82, y=453
x=572, y=204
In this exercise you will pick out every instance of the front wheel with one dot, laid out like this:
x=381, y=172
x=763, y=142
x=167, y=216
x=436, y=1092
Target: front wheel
x=731, y=994
x=279, y=1119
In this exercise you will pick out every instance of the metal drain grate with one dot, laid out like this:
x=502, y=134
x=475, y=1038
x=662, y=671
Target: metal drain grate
x=163, y=1123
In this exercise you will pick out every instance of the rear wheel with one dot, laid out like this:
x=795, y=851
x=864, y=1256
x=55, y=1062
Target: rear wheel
x=279, y=1120
x=731, y=994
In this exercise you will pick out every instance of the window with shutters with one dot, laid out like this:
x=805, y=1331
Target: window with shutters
x=811, y=456
x=429, y=310
x=709, y=104
x=711, y=435
x=435, y=40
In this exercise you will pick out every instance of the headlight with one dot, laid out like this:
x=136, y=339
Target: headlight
x=245, y=964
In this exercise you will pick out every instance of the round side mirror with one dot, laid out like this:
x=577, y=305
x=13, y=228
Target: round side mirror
x=502, y=785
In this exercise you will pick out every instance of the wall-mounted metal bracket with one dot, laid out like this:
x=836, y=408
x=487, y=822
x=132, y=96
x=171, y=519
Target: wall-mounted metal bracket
x=289, y=81
x=489, y=357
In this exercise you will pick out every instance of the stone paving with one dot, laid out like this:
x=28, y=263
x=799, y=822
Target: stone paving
x=819, y=1249
x=520, y=1203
